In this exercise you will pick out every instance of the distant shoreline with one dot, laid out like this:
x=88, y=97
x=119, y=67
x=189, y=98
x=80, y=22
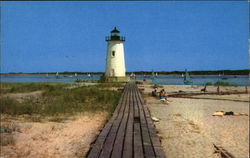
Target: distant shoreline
x=243, y=72
x=126, y=75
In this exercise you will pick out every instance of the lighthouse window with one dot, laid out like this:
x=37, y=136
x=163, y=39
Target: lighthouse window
x=113, y=53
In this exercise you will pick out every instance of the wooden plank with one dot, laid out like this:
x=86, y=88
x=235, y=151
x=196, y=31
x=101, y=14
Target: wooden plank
x=118, y=145
x=223, y=153
x=159, y=152
x=128, y=142
x=152, y=132
x=130, y=132
x=147, y=145
x=98, y=145
x=138, y=148
x=108, y=145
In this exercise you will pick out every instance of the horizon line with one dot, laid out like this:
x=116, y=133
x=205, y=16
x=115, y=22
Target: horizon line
x=126, y=71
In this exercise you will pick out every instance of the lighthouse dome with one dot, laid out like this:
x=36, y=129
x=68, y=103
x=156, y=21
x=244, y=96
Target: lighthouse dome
x=115, y=30
x=115, y=36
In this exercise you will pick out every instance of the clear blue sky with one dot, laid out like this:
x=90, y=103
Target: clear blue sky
x=164, y=36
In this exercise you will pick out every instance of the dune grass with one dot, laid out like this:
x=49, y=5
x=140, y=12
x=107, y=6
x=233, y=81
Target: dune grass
x=104, y=85
x=28, y=87
x=59, y=100
x=219, y=83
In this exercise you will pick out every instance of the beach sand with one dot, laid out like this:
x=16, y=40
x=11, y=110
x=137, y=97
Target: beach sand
x=71, y=138
x=187, y=128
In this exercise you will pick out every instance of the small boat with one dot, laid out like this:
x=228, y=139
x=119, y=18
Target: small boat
x=156, y=74
x=75, y=74
x=89, y=75
x=153, y=75
x=182, y=75
x=187, y=79
x=57, y=75
x=47, y=75
x=223, y=77
x=132, y=75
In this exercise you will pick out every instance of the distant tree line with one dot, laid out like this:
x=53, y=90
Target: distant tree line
x=206, y=72
x=50, y=73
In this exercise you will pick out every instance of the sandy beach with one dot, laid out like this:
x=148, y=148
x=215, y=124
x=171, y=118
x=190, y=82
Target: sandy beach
x=187, y=128
x=71, y=138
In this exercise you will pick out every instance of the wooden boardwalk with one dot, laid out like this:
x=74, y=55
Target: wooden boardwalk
x=130, y=133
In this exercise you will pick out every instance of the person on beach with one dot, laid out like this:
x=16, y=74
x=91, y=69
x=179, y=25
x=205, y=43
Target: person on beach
x=163, y=96
x=223, y=113
x=154, y=92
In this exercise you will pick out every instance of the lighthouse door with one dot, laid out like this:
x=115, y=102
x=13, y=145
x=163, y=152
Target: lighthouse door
x=112, y=73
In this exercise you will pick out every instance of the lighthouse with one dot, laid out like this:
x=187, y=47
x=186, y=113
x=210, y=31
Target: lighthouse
x=115, y=62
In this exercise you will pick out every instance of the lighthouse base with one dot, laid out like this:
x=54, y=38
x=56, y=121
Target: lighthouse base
x=115, y=79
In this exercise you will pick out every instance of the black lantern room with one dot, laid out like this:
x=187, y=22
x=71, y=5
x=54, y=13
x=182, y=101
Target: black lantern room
x=115, y=36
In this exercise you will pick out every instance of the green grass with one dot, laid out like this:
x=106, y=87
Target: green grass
x=209, y=83
x=219, y=83
x=104, y=85
x=57, y=100
x=28, y=87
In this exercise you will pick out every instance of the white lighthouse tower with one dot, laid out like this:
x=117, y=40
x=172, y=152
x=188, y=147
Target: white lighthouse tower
x=115, y=62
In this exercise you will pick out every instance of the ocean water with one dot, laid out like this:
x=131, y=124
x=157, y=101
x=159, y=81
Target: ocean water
x=44, y=78
x=202, y=80
x=162, y=79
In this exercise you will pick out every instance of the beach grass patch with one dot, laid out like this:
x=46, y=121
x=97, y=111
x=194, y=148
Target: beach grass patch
x=56, y=100
x=29, y=87
x=208, y=83
x=221, y=83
